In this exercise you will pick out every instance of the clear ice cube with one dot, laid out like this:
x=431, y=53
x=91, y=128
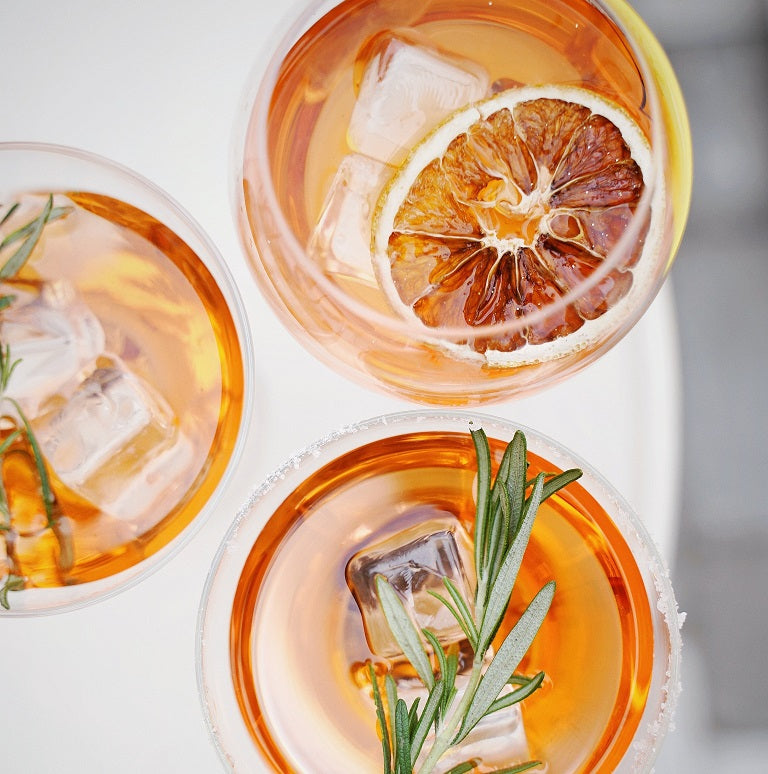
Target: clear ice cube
x=341, y=241
x=54, y=336
x=115, y=441
x=498, y=740
x=407, y=88
x=414, y=561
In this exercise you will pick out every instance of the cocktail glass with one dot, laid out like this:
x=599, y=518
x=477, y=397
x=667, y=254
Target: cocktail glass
x=134, y=375
x=319, y=180
x=282, y=650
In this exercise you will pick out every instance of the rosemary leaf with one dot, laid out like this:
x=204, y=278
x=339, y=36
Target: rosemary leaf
x=467, y=625
x=437, y=649
x=557, y=482
x=402, y=739
x=516, y=696
x=29, y=228
x=42, y=472
x=413, y=715
x=499, y=542
x=448, y=666
x=403, y=630
x=382, y=720
x=483, y=454
x=5, y=511
x=507, y=574
x=463, y=768
x=391, y=690
x=7, y=366
x=504, y=663
x=11, y=210
x=4, y=446
x=517, y=769
x=518, y=450
x=12, y=583
x=449, y=691
x=12, y=266
x=463, y=607
x=517, y=679
x=428, y=717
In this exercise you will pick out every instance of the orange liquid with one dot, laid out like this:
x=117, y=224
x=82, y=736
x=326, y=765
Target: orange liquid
x=294, y=614
x=525, y=42
x=165, y=318
x=519, y=41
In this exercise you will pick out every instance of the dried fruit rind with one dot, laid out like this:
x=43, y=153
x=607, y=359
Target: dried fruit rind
x=509, y=206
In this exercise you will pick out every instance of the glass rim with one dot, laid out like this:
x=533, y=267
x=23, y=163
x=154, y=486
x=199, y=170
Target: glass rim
x=216, y=600
x=65, y=599
x=255, y=117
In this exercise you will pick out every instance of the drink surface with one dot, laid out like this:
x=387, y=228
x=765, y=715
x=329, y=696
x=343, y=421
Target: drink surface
x=517, y=42
x=331, y=180
x=130, y=375
x=293, y=613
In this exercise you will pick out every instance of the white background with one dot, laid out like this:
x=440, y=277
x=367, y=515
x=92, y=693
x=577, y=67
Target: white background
x=158, y=86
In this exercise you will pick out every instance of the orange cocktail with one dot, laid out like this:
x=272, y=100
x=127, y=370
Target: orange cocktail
x=461, y=202
x=124, y=359
x=285, y=651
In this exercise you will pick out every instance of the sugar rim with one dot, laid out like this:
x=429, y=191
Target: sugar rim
x=219, y=704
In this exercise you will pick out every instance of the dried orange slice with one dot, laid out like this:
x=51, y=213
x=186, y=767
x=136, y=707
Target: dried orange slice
x=507, y=207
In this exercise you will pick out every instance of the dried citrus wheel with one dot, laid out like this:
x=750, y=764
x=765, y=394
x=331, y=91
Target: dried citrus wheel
x=508, y=206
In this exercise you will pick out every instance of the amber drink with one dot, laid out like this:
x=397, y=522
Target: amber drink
x=463, y=201
x=128, y=384
x=285, y=652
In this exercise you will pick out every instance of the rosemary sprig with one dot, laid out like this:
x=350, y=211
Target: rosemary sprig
x=30, y=233
x=12, y=582
x=505, y=511
x=29, y=236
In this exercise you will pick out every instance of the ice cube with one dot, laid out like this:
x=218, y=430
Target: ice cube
x=341, y=241
x=115, y=441
x=414, y=561
x=408, y=86
x=498, y=740
x=53, y=334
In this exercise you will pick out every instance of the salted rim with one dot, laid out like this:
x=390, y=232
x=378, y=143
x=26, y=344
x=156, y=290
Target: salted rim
x=225, y=725
x=434, y=145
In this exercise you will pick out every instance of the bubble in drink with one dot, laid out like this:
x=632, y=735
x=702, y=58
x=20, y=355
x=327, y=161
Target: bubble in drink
x=341, y=242
x=53, y=335
x=115, y=441
x=408, y=86
x=414, y=562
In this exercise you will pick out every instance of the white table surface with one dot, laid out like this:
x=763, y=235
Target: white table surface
x=158, y=86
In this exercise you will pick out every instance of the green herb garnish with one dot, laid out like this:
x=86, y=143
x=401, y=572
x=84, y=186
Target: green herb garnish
x=15, y=419
x=505, y=512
